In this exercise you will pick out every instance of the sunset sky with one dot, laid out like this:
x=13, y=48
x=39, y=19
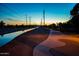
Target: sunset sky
x=15, y=13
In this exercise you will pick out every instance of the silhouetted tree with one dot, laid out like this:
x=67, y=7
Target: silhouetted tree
x=2, y=24
x=53, y=26
x=74, y=22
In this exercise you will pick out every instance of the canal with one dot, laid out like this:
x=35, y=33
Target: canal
x=6, y=38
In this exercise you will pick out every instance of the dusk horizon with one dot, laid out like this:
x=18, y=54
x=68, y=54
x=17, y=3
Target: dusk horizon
x=17, y=12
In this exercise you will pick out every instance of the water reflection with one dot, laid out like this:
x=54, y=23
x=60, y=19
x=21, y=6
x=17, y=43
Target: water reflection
x=4, y=39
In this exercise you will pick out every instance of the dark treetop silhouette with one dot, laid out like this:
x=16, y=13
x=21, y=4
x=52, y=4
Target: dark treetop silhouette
x=70, y=26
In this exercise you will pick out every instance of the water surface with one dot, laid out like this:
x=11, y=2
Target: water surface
x=10, y=36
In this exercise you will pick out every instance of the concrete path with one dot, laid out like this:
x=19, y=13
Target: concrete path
x=43, y=49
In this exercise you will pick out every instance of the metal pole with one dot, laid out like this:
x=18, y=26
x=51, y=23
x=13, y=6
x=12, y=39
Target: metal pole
x=44, y=16
x=41, y=22
x=26, y=19
x=29, y=20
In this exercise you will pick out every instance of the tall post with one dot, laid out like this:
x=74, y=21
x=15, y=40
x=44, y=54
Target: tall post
x=44, y=16
x=41, y=22
x=26, y=20
x=29, y=20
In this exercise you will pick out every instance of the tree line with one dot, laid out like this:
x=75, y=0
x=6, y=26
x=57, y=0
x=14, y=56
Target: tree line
x=70, y=26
